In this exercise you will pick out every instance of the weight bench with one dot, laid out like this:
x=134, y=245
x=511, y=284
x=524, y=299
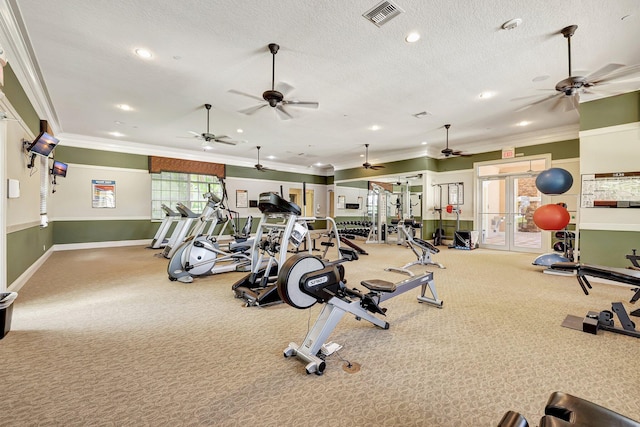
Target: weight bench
x=565, y=410
x=604, y=320
x=622, y=275
x=421, y=249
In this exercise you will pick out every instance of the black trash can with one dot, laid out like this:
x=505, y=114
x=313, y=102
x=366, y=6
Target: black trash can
x=6, y=310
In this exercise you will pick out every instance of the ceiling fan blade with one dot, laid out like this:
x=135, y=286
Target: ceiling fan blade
x=558, y=103
x=460, y=154
x=284, y=88
x=237, y=92
x=572, y=102
x=376, y=167
x=196, y=134
x=301, y=104
x=602, y=72
x=252, y=110
x=548, y=98
x=229, y=142
x=282, y=113
x=626, y=73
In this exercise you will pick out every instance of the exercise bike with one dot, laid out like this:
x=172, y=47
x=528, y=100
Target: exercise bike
x=305, y=280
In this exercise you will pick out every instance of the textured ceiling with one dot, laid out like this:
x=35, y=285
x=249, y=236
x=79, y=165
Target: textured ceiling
x=361, y=75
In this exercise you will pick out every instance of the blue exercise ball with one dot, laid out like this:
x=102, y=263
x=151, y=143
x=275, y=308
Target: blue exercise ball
x=554, y=181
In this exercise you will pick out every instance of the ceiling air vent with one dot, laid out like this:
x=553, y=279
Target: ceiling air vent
x=382, y=13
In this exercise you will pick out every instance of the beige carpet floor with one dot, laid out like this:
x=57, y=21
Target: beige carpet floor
x=102, y=337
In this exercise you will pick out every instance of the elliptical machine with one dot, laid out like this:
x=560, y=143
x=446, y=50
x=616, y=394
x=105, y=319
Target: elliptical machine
x=205, y=254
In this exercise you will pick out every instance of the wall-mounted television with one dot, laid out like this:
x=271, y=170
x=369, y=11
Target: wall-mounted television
x=43, y=145
x=59, y=169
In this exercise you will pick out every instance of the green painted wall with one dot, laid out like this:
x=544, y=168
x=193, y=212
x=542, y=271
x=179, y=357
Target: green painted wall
x=87, y=156
x=429, y=227
x=102, y=231
x=18, y=98
x=615, y=110
x=251, y=173
x=24, y=247
x=569, y=149
x=401, y=166
x=608, y=247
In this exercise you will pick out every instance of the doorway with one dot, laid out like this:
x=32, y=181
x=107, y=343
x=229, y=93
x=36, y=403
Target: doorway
x=507, y=199
x=305, y=203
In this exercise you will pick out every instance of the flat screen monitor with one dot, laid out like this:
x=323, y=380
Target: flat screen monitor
x=43, y=144
x=59, y=169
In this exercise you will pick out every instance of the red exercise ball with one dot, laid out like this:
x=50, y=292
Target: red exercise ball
x=551, y=217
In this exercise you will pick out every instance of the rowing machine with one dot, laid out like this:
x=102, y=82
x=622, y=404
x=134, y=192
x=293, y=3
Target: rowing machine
x=305, y=280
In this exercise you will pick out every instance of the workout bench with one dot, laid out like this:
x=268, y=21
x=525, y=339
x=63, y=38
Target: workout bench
x=421, y=248
x=604, y=319
x=565, y=410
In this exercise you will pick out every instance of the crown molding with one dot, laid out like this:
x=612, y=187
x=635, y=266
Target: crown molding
x=130, y=147
x=14, y=40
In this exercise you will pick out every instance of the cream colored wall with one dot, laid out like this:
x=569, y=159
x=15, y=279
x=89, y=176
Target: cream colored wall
x=351, y=195
x=73, y=197
x=607, y=150
x=255, y=187
x=464, y=176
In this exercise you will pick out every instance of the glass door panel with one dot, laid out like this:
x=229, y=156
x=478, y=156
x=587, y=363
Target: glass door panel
x=526, y=235
x=493, y=214
x=506, y=213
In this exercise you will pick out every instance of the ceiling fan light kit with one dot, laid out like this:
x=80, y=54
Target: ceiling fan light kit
x=448, y=152
x=207, y=137
x=366, y=163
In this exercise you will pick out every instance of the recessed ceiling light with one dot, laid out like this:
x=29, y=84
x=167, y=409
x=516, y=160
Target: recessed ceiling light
x=207, y=147
x=318, y=164
x=485, y=95
x=524, y=123
x=424, y=143
x=116, y=134
x=361, y=155
x=375, y=127
x=239, y=130
x=118, y=122
x=412, y=37
x=125, y=107
x=271, y=157
x=143, y=53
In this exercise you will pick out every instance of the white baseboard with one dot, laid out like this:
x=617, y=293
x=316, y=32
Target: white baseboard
x=96, y=245
x=24, y=277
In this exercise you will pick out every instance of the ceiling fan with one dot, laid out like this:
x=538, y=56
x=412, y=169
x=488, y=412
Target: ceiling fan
x=208, y=137
x=366, y=163
x=275, y=97
x=569, y=89
x=448, y=152
x=258, y=166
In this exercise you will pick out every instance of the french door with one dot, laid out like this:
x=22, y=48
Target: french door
x=506, y=206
